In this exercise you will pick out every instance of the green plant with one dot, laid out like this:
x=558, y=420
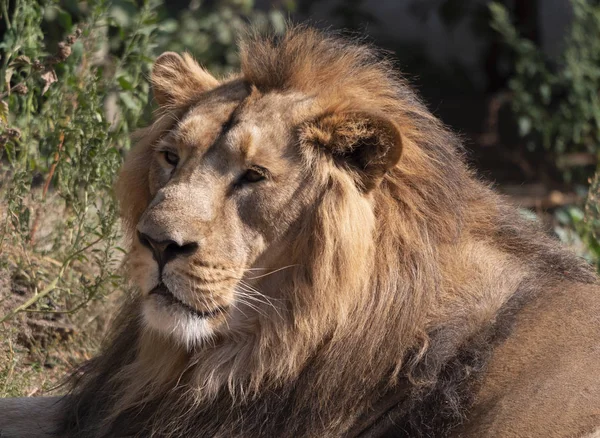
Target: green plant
x=66, y=120
x=208, y=30
x=56, y=131
x=557, y=105
x=556, y=101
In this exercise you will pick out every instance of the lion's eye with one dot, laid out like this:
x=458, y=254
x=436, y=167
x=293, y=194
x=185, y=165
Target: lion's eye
x=253, y=175
x=171, y=158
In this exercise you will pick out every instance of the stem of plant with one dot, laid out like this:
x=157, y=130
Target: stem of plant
x=38, y=212
x=34, y=299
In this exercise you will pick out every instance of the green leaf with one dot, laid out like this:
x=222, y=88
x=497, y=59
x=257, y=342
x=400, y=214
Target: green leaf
x=169, y=26
x=277, y=21
x=4, y=113
x=545, y=93
x=65, y=20
x=524, y=126
x=120, y=16
x=20, y=61
x=129, y=101
x=124, y=83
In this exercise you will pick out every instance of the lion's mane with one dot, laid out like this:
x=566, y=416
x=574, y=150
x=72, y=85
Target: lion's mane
x=405, y=292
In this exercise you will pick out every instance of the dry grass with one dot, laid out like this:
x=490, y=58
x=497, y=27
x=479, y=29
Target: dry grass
x=41, y=345
x=37, y=350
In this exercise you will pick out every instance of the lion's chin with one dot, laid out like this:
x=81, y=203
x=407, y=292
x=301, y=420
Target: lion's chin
x=165, y=314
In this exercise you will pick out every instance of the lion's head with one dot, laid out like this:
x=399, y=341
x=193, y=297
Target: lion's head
x=305, y=238
x=228, y=189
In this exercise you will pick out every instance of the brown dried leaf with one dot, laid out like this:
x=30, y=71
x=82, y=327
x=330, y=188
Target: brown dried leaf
x=8, y=77
x=20, y=88
x=49, y=77
x=64, y=51
x=21, y=60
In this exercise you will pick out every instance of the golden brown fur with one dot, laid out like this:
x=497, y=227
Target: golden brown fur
x=395, y=276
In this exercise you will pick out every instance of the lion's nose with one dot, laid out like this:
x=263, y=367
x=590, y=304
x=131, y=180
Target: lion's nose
x=166, y=250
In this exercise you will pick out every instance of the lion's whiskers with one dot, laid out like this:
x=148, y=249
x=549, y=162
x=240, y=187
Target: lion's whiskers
x=235, y=306
x=243, y=297
x=269, y=273
x=251, y=306
x=250, y=292
x=251, y=301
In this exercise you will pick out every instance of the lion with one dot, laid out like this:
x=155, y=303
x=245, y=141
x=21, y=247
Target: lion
x=314, y=258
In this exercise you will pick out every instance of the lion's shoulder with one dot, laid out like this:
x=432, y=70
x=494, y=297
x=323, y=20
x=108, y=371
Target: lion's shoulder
x=543, y=380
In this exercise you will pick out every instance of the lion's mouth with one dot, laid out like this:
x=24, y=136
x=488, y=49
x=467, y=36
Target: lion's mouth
x=162, y=291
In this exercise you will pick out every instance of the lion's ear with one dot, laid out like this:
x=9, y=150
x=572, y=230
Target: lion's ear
x=368, y=144
x=176, y=80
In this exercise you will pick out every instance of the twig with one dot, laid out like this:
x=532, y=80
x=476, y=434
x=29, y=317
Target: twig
x=33, y=392
x=490, y=136
x=34, y=299
x=20, y=88
x=38, y=212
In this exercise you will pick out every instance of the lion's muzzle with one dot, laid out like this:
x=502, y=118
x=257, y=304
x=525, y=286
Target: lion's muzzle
x=166, y=250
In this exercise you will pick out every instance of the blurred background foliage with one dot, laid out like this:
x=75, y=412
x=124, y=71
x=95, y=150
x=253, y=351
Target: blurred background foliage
x=556, y=103
x=74, y=86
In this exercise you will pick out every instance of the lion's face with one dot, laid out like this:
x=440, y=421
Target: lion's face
x=230, y=186
x=226, y=187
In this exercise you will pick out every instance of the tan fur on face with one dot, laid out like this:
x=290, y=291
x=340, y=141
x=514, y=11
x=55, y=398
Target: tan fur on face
x=372, y=253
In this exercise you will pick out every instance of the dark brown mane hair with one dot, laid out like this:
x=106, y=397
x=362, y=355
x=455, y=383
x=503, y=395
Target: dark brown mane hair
x=404, y=291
